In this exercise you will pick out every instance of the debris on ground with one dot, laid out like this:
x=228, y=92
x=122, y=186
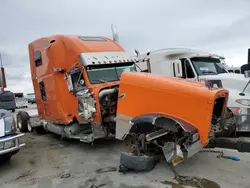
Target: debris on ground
x=97, y=186
x=105, y=169
x=67, y=175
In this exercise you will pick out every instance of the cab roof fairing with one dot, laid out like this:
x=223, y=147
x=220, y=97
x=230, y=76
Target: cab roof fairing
x=96, y=58
x=184, y=53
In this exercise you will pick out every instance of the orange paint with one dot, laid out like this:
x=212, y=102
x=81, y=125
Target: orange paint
x=150, y=93
x=61, y=106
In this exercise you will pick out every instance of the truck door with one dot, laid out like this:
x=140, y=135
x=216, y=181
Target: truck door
x=188, y=70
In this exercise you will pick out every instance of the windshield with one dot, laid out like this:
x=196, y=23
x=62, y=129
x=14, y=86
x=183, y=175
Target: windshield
x=208, y=65
x=108, y=73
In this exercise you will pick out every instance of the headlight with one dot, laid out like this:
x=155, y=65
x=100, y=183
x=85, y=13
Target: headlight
x=245, y=102
x=10, y=125
x=212, y=84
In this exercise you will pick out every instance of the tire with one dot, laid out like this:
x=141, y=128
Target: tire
x=136, y=163
x=40, y=130
x=13, y=110
x=229, y=125
x=23, y=122
x=5, y=158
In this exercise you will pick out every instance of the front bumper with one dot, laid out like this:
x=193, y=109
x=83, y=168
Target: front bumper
x=176, y=156
x=242, y=116
x=10, y=143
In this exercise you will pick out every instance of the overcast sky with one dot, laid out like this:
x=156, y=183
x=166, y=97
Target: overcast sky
x=221, y=26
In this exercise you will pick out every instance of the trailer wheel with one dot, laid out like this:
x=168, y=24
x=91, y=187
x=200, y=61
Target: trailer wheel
x=23, y=122
x=129, y=161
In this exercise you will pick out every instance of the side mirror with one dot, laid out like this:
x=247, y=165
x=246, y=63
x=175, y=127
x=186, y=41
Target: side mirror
x=247, y=73
x=178, y=68
x=137, y=52
x=3, y=78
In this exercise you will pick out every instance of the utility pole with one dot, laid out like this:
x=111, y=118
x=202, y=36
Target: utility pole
x=248, y=56
x=1, y=61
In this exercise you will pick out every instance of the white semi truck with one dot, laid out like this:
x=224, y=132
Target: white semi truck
x=202, y=66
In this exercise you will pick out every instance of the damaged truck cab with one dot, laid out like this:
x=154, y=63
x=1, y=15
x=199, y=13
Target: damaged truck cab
x=76, y=81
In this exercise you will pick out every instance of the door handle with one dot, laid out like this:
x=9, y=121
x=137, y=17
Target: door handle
x=122, y=96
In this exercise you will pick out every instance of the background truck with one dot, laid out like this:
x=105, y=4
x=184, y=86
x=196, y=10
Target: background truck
x=31, y=98
x=9, y=136
x=7, y=101
x=192, y=64
x=21, y=101
x=87, y=88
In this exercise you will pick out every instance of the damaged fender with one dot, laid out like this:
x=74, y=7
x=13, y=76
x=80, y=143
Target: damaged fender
x=143, y=124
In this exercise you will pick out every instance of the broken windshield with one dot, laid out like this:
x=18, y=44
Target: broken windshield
x=208, y=65
x=108, y=72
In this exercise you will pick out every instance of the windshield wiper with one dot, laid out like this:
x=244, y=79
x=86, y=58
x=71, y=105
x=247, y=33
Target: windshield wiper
x=209, y=72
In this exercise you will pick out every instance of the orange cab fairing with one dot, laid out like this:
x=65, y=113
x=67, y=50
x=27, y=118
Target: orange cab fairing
x=145, y=93
x=60, y=105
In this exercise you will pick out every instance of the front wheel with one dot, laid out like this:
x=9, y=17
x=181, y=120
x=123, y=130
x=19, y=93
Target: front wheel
x=23, y=122
x=5, y=158
x=228, y=125
x=129, y=161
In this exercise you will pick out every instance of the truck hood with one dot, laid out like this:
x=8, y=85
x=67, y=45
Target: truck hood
x=234, y=83
x=231, y=81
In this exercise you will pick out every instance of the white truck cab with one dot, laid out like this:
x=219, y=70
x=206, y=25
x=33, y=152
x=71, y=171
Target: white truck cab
x=197, y=65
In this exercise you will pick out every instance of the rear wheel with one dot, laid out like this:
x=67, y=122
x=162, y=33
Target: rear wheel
x=23, y=122
x=40, y=130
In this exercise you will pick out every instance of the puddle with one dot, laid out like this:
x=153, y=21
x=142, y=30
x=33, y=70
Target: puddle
x=128, y=186
x=174, y=185
x=204, y=182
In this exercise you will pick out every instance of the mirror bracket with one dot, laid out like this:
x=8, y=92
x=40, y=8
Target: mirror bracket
x=60, y=70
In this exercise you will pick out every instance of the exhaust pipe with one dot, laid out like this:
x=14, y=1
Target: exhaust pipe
x=106, y=92
x=114, y=33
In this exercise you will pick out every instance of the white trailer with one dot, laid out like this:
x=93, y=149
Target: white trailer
x=197, y=65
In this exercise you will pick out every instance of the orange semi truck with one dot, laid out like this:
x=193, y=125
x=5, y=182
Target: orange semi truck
x=87, y=88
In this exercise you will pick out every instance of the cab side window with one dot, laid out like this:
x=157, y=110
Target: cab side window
x=38, y=58
x=187, y=69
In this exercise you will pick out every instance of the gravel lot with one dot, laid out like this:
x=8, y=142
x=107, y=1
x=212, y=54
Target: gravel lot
x=48, y=161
